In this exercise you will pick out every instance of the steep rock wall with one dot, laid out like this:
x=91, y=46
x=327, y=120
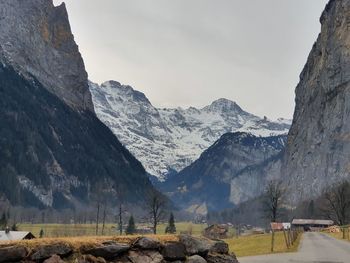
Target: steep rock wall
x=318, y=148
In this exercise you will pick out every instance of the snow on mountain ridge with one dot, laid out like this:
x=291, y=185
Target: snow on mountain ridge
x=167, y=140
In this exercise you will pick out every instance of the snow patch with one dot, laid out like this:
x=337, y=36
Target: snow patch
x=44, y=196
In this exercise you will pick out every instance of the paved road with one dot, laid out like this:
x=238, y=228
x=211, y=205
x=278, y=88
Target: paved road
x=314, y=248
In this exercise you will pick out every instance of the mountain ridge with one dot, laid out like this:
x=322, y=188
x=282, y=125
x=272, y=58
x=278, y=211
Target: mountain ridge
x=167, y=140
x=228, y=173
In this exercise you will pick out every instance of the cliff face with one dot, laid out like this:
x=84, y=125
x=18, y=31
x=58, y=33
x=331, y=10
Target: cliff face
x=53, y=156
x=36, y=39
x=54, y=152
x=318, y=149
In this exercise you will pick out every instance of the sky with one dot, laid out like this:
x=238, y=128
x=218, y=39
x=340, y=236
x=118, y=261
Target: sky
x=183, y=53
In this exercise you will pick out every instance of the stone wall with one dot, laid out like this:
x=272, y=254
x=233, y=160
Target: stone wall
x=140, y=250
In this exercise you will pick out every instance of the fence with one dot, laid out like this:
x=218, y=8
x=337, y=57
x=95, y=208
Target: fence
x=346, y=232
x=290, y=237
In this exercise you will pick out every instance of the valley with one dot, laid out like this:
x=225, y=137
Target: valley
x=98, y=173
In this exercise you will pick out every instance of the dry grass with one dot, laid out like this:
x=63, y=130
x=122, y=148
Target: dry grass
x=259, y=245
x=77, y=242
x=339, y=236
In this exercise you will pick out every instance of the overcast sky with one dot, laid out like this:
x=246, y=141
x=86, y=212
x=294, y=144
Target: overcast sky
x=191, y=52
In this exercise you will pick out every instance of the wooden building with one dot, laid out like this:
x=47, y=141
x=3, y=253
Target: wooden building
x=8, y=235
x=312, y=224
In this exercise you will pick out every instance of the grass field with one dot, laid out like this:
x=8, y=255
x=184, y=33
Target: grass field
x=259, y=245
x=68, y=230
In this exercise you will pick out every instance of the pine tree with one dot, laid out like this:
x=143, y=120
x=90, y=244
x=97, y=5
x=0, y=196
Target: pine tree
x=131, y=229
x=41, y=234
x=311, y=209
x=3, y=221
x=14, y=227
x=171, y=228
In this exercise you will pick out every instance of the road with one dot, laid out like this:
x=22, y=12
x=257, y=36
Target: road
x=314, y=248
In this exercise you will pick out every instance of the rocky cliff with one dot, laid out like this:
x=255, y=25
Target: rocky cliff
x=168, y=140
x=318, y=148
x=36, y=39
x=54, y=152
x=231, y=171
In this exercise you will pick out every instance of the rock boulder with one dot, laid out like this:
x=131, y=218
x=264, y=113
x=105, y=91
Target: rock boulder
x=108, y=251
x=46, y=251
x=13, y=253
x=173, y=251
x=146, y=243
x=195, y=245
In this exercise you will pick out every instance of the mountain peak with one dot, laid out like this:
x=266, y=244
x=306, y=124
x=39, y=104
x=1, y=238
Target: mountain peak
x=224, y=105
x=112, y=83
x=125, y=91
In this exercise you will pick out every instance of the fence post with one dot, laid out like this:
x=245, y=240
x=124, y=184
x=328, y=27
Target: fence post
x=285, y=238
x=290, y=237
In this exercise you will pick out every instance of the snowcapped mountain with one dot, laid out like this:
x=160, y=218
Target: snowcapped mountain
x=168, y=140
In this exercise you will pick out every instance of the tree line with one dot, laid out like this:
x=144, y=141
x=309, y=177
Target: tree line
x=155, y=209
x=274, y=206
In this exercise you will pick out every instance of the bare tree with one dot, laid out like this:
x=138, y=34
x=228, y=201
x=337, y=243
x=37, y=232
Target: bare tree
x=104, y=216
x=97, y=215
x=273, y=200
x=156, y=204
x=121, y=210
x=337, y=203
x=98, y=189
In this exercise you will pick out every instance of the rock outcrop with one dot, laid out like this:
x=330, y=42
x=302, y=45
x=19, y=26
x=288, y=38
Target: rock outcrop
x=319, y=140
x=36, y=39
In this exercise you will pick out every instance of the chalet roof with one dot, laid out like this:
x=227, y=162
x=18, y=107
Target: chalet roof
x=15, y=235
x=312, y=222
